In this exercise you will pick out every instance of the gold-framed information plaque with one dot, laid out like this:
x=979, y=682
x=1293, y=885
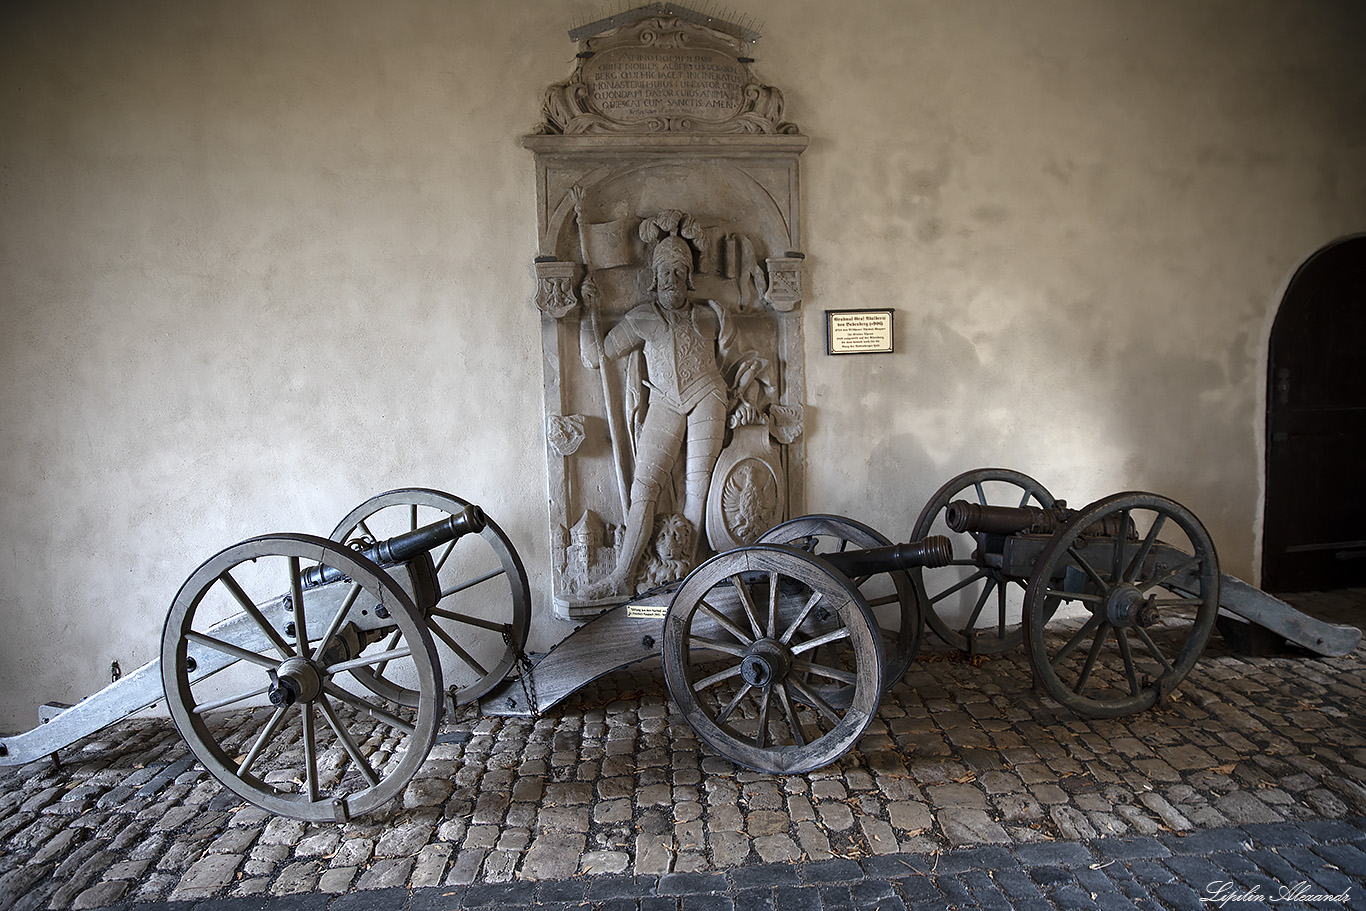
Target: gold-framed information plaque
x=858, y=332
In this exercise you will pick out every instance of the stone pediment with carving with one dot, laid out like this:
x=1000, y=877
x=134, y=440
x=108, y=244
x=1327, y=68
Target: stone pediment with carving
x=664, y=74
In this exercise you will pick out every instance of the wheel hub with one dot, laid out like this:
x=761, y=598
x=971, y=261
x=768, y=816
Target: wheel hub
x=766, y=661
x=1126, y=608
x=295, y=680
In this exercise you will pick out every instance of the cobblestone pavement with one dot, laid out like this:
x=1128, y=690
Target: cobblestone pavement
x=968, y=790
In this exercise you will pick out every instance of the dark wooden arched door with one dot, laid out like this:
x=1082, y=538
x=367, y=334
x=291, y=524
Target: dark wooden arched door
x=1314, y=531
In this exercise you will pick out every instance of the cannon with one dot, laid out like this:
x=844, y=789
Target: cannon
x=344, y=652
x=1115, y=602
x=777, y=653
x=309, y=675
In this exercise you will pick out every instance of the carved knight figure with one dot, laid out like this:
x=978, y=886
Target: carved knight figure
x=685, y=343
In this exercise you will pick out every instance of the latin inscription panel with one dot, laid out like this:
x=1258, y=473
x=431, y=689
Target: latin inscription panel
x=636, y=84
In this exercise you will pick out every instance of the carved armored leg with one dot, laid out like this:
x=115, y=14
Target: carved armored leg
x=706, y=433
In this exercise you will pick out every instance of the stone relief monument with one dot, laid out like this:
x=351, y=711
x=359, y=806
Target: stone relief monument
x=668, y=278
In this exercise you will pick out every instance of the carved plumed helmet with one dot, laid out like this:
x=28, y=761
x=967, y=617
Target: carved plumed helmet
x=670, y=231
x=670, y=251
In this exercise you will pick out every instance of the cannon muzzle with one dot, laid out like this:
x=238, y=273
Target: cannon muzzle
x=404, y=547
x=936, y=550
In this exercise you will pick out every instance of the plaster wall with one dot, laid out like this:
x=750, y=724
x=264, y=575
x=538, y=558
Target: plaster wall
x=261, y=260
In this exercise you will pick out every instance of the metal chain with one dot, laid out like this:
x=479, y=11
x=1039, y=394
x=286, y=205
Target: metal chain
x=524, y=671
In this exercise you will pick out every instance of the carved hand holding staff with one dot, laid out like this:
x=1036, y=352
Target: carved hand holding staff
x=590, y=348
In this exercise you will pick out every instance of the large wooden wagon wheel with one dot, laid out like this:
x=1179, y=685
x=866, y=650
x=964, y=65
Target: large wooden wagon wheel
x=1122, y=604
x=890, y=595
x=481, y=612
x=745, y=662
x=970, y=603
x=264, y=639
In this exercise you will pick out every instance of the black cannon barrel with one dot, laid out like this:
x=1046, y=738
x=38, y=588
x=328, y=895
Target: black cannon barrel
x=404, y=547
x=961, y=516
x=936, y=550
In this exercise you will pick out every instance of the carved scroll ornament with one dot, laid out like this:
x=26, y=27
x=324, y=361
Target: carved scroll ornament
x=663, y=75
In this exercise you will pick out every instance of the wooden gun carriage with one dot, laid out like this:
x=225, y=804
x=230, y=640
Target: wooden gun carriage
x=1114, y=601
x=339, y=656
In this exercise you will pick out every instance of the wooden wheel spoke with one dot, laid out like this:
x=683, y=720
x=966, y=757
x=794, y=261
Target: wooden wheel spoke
x=1141, y=555
x=716, y=678
x=785, y=701
x=834, y=635
x=1154, y=650
x=337, y=619
x=826, y=710
x=1195, y=603
x=772, y=628
x=959, y=586
x=1087, y=568
x=1118, y=564
x=1176, y=572
x=761, y=732
x=459, y=651
x=251, y=610
x=1050, y=607
x=730, y=706
x=296, y=594
x=1129, y=670
x=388, y=646
x=822, y=670
x=810, y=605
x=348, y=744
x=229, y=700
x=310, y=754
x=1083, y=597
x=471, y=583
x=380, y=658
x=1096, y=645
x=1087, y=629
x=457, y=617
x=725, y=622
x=445, y=555
x=747, y=604
x=268, y=732
x=370, y=708
x=971, y=623
x=235, y=651
x=716, y=646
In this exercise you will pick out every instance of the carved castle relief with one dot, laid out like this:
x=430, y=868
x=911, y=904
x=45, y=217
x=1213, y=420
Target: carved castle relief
x=668, y=278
